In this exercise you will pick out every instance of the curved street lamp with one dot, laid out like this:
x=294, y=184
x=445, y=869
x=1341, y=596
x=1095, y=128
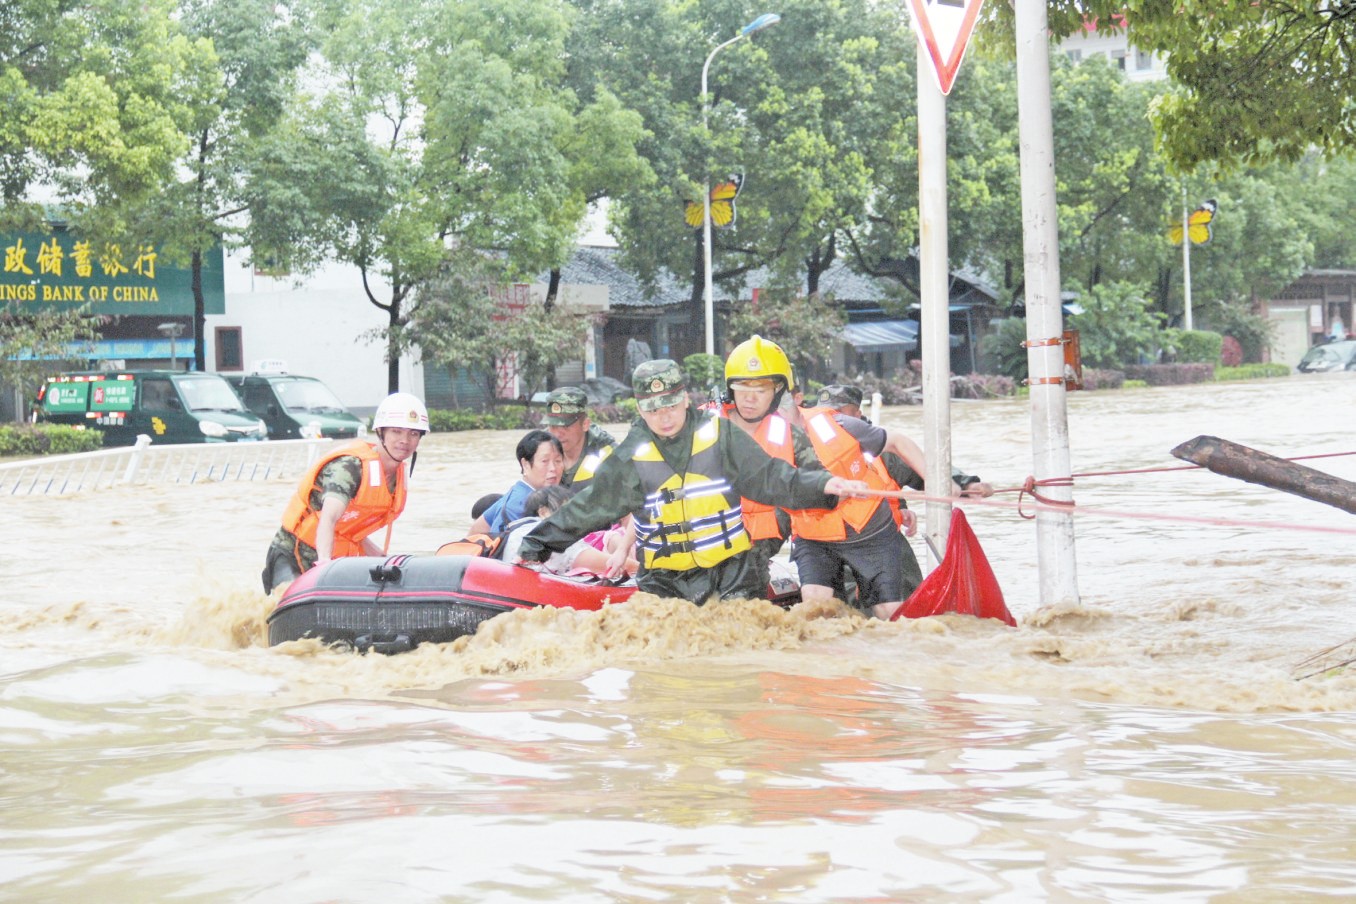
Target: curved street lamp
x=758, y=24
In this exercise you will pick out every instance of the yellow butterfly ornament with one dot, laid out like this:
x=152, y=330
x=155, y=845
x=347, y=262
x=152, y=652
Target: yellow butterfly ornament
x=722, y=204
x=1198, y=224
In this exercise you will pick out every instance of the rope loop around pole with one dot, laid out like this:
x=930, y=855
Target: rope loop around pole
x=1029, y=489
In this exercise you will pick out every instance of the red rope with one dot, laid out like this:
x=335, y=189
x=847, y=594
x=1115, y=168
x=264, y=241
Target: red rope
x=1028, y=487
x=1046, y=503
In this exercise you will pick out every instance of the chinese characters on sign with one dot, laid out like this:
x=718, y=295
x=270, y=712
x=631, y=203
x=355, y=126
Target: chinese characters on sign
x=58, y=270
x=50, y=258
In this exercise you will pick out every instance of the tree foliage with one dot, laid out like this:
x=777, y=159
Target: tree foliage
x=460, y=321
x=30, y=342
x=797, y=109
x=92, y=101
x=1257, y=79
x=807, y=328
x=439, y=128
x=1116, y=326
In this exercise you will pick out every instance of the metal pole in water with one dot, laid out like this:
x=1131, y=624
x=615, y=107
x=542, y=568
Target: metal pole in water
x=934, y=296
x=1044, y=316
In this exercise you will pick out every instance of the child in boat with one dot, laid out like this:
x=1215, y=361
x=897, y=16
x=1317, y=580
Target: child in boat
x=601, y=552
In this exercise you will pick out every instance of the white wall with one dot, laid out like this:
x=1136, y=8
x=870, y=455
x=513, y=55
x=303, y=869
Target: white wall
x=316, y=326
x=1136, y=64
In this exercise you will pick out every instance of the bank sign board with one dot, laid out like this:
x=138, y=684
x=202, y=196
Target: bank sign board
x=60, y=271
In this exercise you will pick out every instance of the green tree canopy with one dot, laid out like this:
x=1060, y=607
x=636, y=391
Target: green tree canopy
x=91, y=97
x=1258, y=79
x=441, y=128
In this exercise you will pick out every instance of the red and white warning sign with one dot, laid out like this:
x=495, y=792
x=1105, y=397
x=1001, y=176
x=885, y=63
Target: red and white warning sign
x=944, y=27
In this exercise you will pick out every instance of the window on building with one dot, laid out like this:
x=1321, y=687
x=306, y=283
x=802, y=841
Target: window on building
x=1118, y=59
x=230, y=350
x=1075, y=56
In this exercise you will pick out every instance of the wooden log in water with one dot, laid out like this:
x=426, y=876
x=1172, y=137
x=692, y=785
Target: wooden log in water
x=1243, y=463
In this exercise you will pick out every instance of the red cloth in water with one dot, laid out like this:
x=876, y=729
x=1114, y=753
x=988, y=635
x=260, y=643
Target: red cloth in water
x=964, y=581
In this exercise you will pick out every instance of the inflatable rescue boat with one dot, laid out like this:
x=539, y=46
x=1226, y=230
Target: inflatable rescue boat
x=393, y=604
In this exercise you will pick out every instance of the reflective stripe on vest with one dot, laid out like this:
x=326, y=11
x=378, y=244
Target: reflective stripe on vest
x=588, y=466
x=693, y=520
x=774, y=435
x=842, y=456
x=373, y=507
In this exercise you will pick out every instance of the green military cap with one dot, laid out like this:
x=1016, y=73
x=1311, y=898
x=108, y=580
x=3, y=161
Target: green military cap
x=564, y=406
x=658, y=384
x=836, y=395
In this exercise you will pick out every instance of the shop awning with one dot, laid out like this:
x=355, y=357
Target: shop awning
x=882, y=335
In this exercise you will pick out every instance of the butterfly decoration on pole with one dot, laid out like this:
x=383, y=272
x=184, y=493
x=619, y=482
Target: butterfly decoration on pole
x=722, y=204
x=1198, y=224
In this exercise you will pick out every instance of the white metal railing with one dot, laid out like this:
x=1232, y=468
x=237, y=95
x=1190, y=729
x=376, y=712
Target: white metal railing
x=148, y=463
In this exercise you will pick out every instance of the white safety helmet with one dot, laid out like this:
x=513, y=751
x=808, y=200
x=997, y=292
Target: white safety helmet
x=401, y=409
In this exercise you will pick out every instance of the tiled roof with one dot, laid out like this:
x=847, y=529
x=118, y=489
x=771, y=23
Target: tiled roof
x=595, y=265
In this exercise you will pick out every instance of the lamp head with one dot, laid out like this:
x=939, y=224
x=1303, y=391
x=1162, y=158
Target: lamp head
x=760, y=23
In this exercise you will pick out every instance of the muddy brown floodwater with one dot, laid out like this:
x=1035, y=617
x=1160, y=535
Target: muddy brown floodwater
x=1152, y=743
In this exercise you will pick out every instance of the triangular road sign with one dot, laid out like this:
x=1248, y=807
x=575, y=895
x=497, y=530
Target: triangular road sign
x=944, y=28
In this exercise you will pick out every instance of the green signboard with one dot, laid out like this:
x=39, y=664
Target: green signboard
x=78, y=393
x=112, y=395
x=66, y=398
x=60, y=271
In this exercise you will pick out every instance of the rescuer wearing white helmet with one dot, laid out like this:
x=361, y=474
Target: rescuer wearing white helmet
x=350, y=493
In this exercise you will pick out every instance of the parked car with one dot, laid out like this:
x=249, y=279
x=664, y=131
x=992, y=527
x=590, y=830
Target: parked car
x=598, y=390
x=294, y=406
x=1331, y=357
x=168, y=406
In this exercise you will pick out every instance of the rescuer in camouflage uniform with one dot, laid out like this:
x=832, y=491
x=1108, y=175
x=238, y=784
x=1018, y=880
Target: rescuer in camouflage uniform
x=585, y=444
x=682, y=474
x=349, y=494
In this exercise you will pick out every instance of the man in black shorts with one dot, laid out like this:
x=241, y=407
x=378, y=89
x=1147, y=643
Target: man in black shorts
x=862, y=532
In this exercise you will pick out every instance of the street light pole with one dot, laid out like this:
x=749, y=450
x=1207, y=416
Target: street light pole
x=758, y=24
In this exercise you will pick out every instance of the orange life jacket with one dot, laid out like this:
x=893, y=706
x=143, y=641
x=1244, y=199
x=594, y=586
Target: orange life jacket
x=842, y=456
x=487, y=545
x=774, y=435
x=373, y=507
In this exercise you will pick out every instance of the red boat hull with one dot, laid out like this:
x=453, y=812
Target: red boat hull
x=393, y=604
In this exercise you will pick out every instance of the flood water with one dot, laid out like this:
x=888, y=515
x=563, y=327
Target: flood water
x=1152, y=743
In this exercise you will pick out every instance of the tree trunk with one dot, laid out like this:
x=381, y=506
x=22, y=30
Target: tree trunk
x=1243, y=463
x=393, y=347
x=199, y=313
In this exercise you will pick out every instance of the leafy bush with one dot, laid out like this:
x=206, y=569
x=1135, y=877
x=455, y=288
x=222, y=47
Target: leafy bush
x=1099, y=378
x=623, y=412
x=1250, y=330
x=47, y=439
x=1171, y=374
x=705, y=374
x=900, y=388
x=1116, y=326
x=1193, y=346
x=443, y=421
x=1231, y=353
x=1004, y=347
x=982, y=386
x=1252, y=372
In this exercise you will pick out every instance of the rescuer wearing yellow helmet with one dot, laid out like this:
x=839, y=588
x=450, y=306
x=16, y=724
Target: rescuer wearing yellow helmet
x=351, y=492
x=757, y=375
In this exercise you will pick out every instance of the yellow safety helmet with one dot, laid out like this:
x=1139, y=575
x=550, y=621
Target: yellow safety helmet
x=758, y=357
